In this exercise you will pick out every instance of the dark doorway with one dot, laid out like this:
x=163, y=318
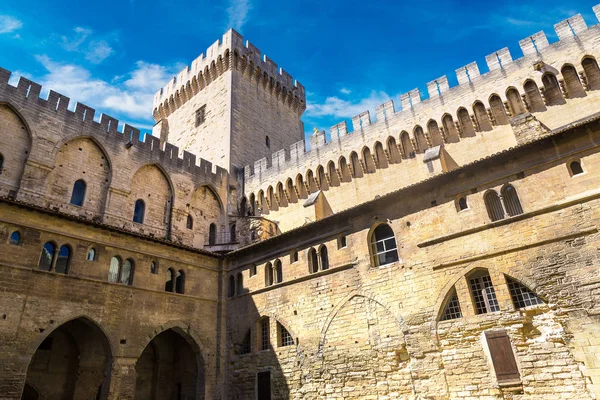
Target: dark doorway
x=264, y=385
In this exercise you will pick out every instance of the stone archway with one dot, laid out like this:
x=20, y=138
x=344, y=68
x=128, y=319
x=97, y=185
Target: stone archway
x=364, y=352
x=170, y=367
x=72, y=362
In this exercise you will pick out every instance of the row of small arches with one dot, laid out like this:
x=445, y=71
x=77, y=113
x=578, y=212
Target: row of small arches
x=451, y=131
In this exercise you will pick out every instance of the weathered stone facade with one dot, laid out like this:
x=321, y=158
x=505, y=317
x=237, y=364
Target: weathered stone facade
x=448, y=250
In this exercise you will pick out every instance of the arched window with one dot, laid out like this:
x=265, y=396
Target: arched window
x=180, y=282
x=355, y=164
x=212, y=234
x=278, y=272
x=452, y=308
x=252, y=208
x=572, y=82
x=127, y=272
x=243, y=206
x=383, y=246
x=512, y=204
x=78, y=193
x=450, y=128
x=138, y=211
x=497, y=108
x=482, y=117
x=264, y=339
x=240, y=284
x=368, y=161
x=169, y=284
x=514, y=100
x=115, y=267
x=285, y=339
x=592, y=73
x=323, y=184
x=521, y=295
x=310, y=182
x=15, y=238
x=154, y=267
x=293, y=197
x=301, y=187
x=407, y=148
x=246, y=347
x=253, y=270
x=281, y=195
x=493, y=206
x=536, y=103
x=232, y=234
x=483, y=293
x=91, y=255
x=380, y=156
x=344, y=170
x=333, y=175
x=575, y=168
x=47, y=257
x=324, y=258
x=466, y=125
x=393, y=151
x=420, y=140
x=64, y=257
x=268, y=274
x=434, y=133
x=231, y=287
x=189, y=224
x=462, y=203
x=293, y=256
x=552, y=90
x=313, y=261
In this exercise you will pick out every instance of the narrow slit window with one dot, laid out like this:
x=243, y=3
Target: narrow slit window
x=265, y=342
x=200, y=115
x=324, y=258
x=138, y=211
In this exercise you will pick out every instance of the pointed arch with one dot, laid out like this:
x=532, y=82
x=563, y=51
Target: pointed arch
x=515, y=102
x=592, y=72
x=16, y=136
x=497, y=110
x=573, y=85
x=393, y=151
x=271, y=200
x=466, y=125
x=534, y=97
x=281, y=195
x=407, y=148
x=368, y=161
x=493, y=205
x=157, y=198
x=450, y=128
x=333, y=175
x=344, y=169
x=322, y=178
x=434, y=133
x=310, y=181
x=357, y=171
x=291, y=192
x=301, y=187
x=552, y=91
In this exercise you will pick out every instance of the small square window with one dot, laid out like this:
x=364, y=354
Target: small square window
x=200, y=115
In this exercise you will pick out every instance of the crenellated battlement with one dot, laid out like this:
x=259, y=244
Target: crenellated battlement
x=26, y=96
x=495, y=95
x=231, y=51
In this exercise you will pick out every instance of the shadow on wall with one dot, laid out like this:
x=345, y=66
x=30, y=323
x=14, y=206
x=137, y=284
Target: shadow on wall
x=75, y=361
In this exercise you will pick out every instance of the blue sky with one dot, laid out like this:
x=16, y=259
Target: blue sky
x=351, y=56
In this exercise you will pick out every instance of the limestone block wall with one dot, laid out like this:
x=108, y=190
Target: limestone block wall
x=362, y=331
x=35, y=303
x=556, y=83
x=46, y=148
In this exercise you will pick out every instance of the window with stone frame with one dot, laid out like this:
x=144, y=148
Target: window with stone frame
x=265, y=341
x=521, y=295
x=200, y=115
x=383, y=246
x=285, y=339
x=483, y=293
x=452, y=309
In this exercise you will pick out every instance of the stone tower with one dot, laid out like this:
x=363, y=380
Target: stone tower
x=232, y=106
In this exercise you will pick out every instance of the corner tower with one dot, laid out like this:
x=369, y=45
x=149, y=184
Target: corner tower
x=232, y=106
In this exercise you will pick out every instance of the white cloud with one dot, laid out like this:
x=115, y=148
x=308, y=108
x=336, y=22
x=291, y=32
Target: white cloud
x=345, y=91
x=130, y=95
x=9, y=24
x=237, y=13
x=340, y=108
x=95, y=51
